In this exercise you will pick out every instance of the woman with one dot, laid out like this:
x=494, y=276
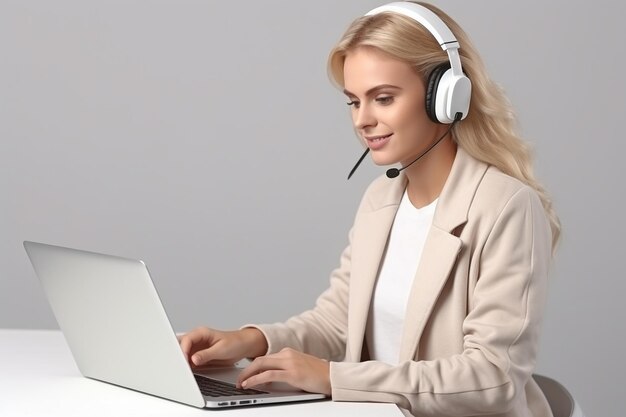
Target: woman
x=437, y=302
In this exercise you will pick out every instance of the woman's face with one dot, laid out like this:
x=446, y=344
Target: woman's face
x=387, y=99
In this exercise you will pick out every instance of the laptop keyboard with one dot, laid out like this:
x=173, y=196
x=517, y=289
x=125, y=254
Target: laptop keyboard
x=213, y=388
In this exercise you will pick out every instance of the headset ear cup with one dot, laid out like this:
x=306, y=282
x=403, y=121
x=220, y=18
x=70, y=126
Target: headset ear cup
x=431, y=90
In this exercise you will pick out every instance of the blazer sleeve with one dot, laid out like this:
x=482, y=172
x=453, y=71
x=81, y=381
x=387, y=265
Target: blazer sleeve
x=321, y=331
x=500, y=331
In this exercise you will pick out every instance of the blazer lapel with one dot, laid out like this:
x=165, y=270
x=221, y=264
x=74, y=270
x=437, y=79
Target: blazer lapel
x=438, y=257
x=368, y=247
x=440, y=249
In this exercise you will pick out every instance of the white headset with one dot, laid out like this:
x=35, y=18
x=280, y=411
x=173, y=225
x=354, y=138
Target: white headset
x=448, y=90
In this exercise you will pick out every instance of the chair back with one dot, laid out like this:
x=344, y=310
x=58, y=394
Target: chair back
x=561, y=401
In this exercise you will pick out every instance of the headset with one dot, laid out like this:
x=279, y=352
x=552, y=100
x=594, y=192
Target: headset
x=448, y=90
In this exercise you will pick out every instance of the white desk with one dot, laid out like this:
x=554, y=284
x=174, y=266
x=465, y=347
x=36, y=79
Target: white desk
x=38, y=377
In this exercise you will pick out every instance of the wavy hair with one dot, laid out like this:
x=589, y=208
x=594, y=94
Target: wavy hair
x=489, y=132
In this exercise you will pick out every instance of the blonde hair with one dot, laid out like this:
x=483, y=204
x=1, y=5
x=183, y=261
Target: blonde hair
x=489, y=132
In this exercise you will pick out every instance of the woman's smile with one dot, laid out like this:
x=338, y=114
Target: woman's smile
x=377, y=142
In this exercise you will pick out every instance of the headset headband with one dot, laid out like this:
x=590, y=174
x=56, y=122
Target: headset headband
x=430, y=21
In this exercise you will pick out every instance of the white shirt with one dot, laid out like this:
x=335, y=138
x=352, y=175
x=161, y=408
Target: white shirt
x=404, y=250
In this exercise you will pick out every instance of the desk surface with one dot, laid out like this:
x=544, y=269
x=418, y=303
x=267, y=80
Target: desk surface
x=38, y=377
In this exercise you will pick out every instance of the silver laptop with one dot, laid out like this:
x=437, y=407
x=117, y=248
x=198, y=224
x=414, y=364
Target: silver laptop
x=118, y=331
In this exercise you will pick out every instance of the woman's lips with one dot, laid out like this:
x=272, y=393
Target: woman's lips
x=377, y=142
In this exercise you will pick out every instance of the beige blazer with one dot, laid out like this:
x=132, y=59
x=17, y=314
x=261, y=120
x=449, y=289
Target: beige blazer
x=474, y=312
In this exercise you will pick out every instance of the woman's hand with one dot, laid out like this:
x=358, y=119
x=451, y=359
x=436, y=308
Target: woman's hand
x=204, y=346
x=295, y=368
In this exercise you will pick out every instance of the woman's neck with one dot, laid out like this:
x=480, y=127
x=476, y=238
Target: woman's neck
x=427, y=177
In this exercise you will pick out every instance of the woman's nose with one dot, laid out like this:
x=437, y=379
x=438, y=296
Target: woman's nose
x=364, y=117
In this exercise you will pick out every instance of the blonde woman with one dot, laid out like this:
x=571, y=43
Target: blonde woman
x=438, y=299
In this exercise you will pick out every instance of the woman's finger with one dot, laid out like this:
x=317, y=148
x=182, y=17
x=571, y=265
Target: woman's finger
x=272, y=375
x=261, y=364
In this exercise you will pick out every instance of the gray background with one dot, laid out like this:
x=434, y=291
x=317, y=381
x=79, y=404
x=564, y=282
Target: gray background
x=205, y=138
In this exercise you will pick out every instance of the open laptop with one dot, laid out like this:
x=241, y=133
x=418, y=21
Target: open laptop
x=118, y=331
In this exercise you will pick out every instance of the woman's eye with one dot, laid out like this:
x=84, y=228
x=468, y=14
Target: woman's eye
x=385, y=100
x=353, y=103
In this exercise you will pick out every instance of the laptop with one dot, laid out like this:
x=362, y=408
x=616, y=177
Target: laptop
x=118, y=332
